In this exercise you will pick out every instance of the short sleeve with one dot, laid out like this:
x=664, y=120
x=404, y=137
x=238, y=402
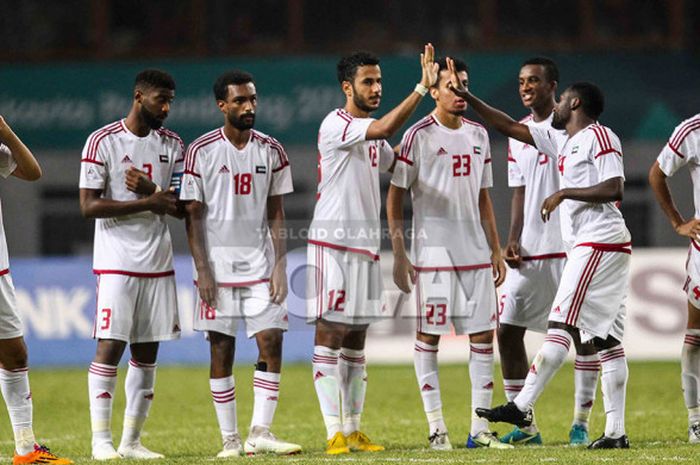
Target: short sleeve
x=487, y=175
x=281, y=182
x=342, y=130
x=545, y=140
x=178, y=168
x=515, y=175
x=386, y=156
x=607, y=154
x=93, y=163
x=679, y=150
x=406, y=169
x=191, y=185
x=7, y=161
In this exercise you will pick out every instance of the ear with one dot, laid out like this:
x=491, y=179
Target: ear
x=574, y=103
x=434, y=92
x=347, y=88
x=138, y=95
x=221, y=104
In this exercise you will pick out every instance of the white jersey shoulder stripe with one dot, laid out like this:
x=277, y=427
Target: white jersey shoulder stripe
x=200, y=142
x=473, y=123
x=685, y=131
x=603, y=138
x=347, y=117
x=173, y=135
x=411, y=134
x=97, y=137
x=276, y=146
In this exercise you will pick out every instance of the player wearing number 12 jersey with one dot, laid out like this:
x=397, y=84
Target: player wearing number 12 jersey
x=445, y=162
x=136, y=298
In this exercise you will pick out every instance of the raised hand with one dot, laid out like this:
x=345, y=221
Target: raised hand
x=429, y=67
x=455, y=84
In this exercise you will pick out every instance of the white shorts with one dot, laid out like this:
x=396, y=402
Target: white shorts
x=342, y=287
x=10, y=322
x=593, y=290
x=465, y=300
x=136, y=309
x=692, y=268
x=525, y=298
x=250, y=304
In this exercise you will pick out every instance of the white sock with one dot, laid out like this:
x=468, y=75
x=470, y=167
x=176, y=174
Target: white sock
x=690, y=374
x=481, y=378
x=327, y=384
x=18, y=399
x=140, y=379
x=353, y=387
x=102, y=382
x=614, y=386
x=547, y=361
x=223, y=393
x=266, y=389
x=512, y=388
x=586, y=370
x=425, y=361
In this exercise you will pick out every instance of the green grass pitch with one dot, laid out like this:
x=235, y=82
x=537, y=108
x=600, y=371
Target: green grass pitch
x=183, y=426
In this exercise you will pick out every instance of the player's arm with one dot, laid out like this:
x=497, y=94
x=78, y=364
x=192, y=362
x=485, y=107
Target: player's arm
x=275, y=219
x=488, y=222
x=657, y=181
x=387, y=125
x=139, y=183
x=27, y=166
x=493, y=117
x=610, y=190
x=403, y=269
x=92, y=205
x=517, y=214
x=194, y=224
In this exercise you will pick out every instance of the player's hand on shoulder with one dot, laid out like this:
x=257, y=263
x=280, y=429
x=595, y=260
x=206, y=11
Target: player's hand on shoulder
x=511, y=255
x=278, y=283
x=429, y=68
x=498, y=269
x=206, y=286
x=404, y=273
x=690, y=228
x=163, y=202
x=138, y=182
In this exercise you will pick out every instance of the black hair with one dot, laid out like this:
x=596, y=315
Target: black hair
x=551, y=72
x=234, y=77
x=592, y=100
x=347, y=66
x=442, y=65
x=154, y=79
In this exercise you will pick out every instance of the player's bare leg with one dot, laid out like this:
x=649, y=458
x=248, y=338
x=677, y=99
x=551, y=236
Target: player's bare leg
x=223, y=391
x=690, y=373
x=586, y=371
x=139, y=384
x=266, y=384
x=425, y=362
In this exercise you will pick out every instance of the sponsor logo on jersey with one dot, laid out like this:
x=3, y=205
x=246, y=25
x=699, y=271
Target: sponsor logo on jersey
x=126, y=159
x=557, y=309
x=163, y=158
x=260, y=169
x=442, y=151
x=224, y=169
x=477, y=150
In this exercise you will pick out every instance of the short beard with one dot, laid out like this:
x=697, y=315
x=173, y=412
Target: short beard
x=239, y=124
x=361, y=104
x=150, y=119
x=459, y=112
x=557, y=123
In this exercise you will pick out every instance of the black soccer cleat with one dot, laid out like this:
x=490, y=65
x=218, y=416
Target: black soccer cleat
x=507, y=413
x=605, y=442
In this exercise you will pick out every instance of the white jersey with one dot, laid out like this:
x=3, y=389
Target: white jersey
x=540, y=176
x=683, y=148
x=589, y=157
x=348, y=200
x=234, y=186
x=7, y=166
x=138, y=244
x=445, y=169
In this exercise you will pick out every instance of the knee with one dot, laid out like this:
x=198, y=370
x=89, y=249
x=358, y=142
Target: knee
x=222, y=350
x=270, y=344
x=485, y=337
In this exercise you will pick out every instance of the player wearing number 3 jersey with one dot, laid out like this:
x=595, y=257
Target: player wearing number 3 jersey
x=445, y=162
x=136, y=299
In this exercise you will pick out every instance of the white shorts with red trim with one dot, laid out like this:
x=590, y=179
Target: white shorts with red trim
x=249, y=304
x=463, y=300
x=342, y=286
x=525, y=298
x=10, y=322
x=136, y=309
x=593, y=290
x=692, y=268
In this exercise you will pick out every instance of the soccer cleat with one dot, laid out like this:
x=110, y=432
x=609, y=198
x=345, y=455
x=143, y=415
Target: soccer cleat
x=359, y=442
x=40, y=454
x=605, y=442
x=694, y=433
x=578, y=436
x=519, y=436
x=440, y=441
x=232, y=447
x=136, y=450
x=507, y=413
x=337, y=445
x=486, y=439
x=262, y=441
x=105, y=451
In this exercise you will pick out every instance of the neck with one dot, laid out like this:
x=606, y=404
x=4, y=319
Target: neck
x=542, y=112
x=577, y=123
x=354, y=110
x=239, y=138
x=448, y=119
x=135, y=124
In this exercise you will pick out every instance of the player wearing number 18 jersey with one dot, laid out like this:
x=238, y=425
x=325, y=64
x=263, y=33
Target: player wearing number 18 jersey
x=445, y=161
x=136, y=298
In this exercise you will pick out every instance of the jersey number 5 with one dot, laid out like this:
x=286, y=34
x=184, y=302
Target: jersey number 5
x=461, y=165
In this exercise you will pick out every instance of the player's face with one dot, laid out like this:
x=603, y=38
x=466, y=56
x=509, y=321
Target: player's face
x=562, y=111
x=367, y=88
x=155, y=105
x=535, y=90
x=239, y=106
x=447, y=100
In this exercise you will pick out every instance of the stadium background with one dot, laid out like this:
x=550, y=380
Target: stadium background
x=67, y=68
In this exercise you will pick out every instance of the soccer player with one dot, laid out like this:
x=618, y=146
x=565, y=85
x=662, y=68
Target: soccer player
x=235, y=177
x=683, y=149
x=17, y=160
x=590, y=299
x=343, y=279
x=535, y=254
x=445, y=161
x=136, y=298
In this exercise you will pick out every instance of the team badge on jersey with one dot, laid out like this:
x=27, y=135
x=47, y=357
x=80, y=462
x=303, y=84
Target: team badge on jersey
x=163, y=158
x=260, y=169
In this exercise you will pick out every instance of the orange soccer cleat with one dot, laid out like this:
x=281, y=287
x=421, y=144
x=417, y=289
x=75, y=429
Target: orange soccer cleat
x=40, y=454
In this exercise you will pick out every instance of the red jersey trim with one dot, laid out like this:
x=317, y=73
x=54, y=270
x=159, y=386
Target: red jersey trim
x=241, y=284
x=343, y=248
x=193, y=173
x=423, y=269
x=623, y=247
x=4, y=272
x=405, y=160
x=161, y=274
x=606, y=152
x=695, y=244
x=411, y=134
x=547, y=256
x=675, y=150
x=684, y=132
x=89, y=160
